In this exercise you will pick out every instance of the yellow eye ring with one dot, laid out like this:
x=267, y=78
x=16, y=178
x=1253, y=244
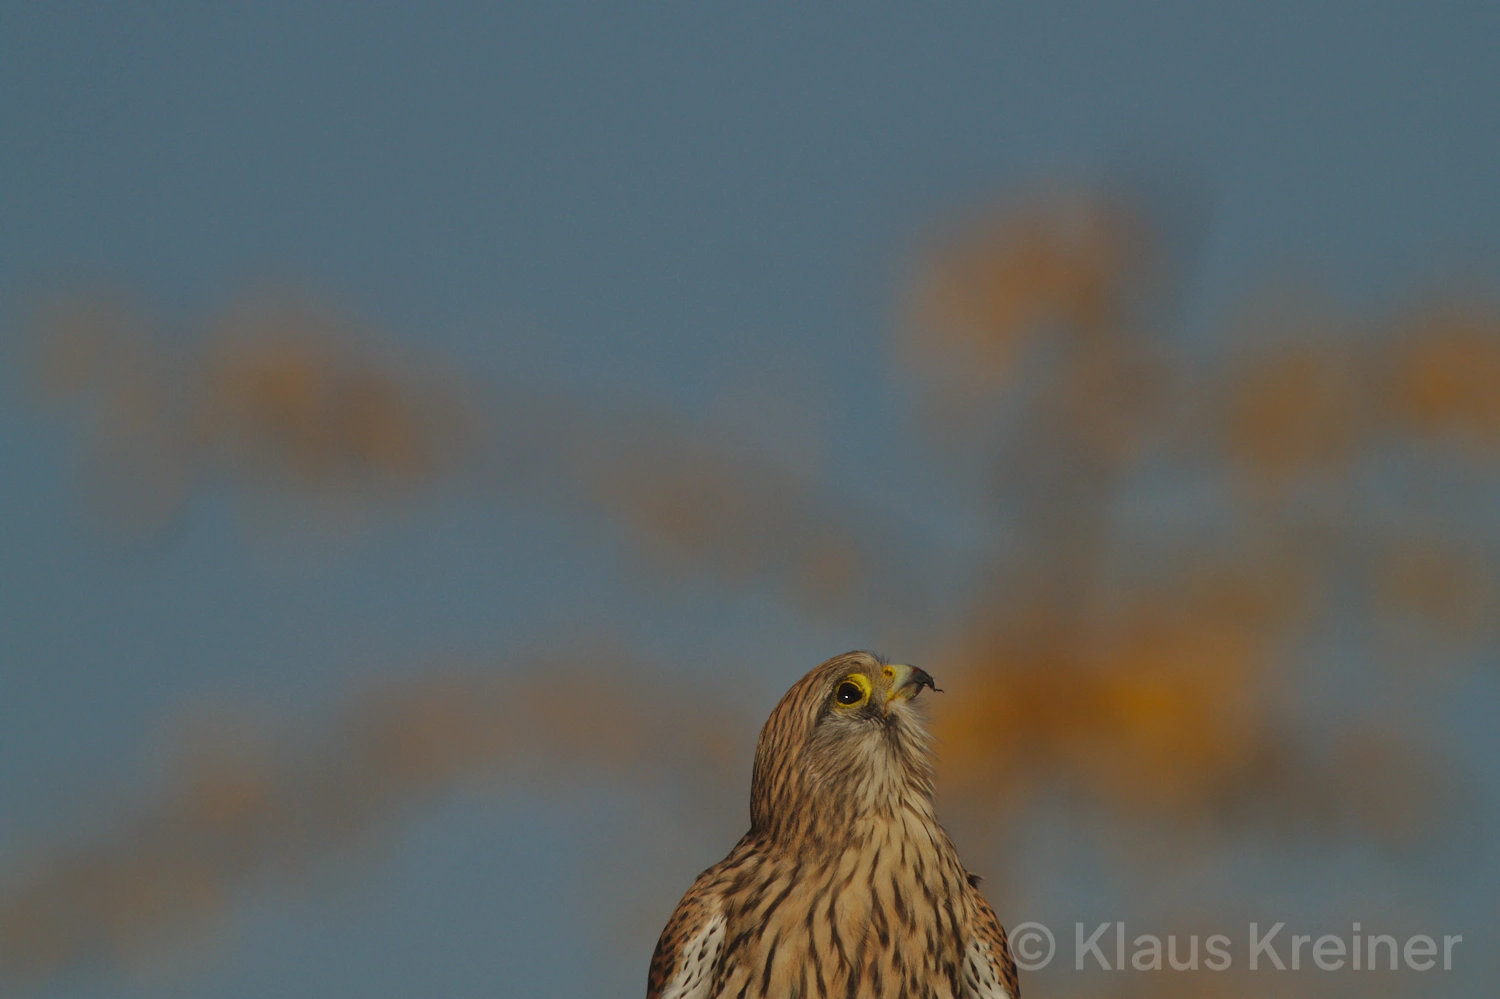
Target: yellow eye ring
x=852, y=691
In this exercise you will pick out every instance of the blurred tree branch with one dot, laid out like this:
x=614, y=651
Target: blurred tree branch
x=1329, y=476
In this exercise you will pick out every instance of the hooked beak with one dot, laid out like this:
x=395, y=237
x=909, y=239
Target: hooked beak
x=907, y=682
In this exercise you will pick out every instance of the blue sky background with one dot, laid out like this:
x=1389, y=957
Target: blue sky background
x=691, y=204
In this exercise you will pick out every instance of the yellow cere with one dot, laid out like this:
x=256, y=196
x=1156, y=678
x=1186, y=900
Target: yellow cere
x=894, y=692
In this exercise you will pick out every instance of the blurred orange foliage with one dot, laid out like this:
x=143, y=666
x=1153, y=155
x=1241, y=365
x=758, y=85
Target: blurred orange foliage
x=1151, y=668
x=1448, y=375
x=278, y=393
x=237, y=812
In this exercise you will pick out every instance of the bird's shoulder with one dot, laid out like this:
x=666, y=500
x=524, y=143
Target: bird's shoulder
x=683, y=964
x=989, y=968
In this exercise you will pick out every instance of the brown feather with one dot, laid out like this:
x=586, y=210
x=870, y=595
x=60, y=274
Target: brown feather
x=845, y=884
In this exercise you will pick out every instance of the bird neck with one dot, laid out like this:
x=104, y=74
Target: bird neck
x=807, y=811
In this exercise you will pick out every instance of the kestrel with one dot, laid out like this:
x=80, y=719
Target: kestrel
x=845, y=884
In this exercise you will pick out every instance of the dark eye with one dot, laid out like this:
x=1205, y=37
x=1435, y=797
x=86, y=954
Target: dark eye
x=849, y=693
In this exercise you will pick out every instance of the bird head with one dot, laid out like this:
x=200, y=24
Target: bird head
x=843, y=742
